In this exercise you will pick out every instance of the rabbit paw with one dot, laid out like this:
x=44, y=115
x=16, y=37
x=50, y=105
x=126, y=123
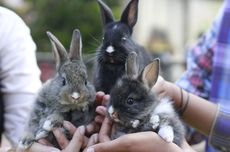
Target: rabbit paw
x=41, y=134
x=48, y=126
x=26, y=142
x=166, y=132
x=155, y=121
x=135, y=123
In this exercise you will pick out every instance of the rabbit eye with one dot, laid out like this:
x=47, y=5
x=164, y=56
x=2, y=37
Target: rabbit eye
x=63, y=81
x=85, y=82
x=130, y=101
x=123, y=38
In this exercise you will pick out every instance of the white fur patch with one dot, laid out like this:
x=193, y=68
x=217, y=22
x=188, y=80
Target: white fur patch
x=75, y=95
x=111, y=110
x=165, y=106
x=21, y=146
x=135, y=123
x=155, y=121
x=40, y=135
x=166, y=132
x=119, y=83
x=47, y=125
x=115, y=27
x=110, y=49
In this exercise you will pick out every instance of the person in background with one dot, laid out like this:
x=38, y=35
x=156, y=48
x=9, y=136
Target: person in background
x=208, y=73
x=19, y=74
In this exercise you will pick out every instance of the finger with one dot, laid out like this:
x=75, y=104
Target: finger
x=111, y=146
x=77, y=140
x=92, y=128
x=36, y=147
x=99, y=97
x=44, y=142
x=105, y=100
x=70, y=127
x=61, y=138
x=105, y=131
x=99, y=119
x=101, y=110
x=93, y=140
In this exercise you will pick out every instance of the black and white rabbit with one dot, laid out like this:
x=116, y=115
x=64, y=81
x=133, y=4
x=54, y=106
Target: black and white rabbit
x=135, y=108
x=116, y=45
x=67, y=96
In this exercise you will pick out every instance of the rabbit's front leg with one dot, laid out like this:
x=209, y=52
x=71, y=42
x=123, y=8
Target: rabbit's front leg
x=155, y=121
x=26, y=141
x=53, y=121
x=166, y=132
x=165, y=129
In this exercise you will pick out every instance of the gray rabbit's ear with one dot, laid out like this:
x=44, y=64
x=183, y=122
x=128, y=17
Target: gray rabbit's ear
x=106, y=13
x=131, y=65
x=130, y=14
x=58, y=49
x=150, y=73
x=76, y=46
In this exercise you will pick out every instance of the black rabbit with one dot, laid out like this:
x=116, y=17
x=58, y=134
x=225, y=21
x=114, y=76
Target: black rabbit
x=116, y=45
x=67, y=96
x=135, y=108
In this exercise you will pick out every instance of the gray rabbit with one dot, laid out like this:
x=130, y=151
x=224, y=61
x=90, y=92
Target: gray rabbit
x=135, y=108
x=67, y=96
x=116, y=45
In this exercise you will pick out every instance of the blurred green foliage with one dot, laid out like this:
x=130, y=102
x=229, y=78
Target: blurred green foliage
x=61, y=17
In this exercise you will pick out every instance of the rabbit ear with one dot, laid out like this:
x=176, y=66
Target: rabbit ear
x=76, y=46
x=150, y=73
x=58, y=49
x=131, y=65
x=106, y=13
x=129, y=15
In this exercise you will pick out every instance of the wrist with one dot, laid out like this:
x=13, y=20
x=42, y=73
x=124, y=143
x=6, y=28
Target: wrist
x=174, y=93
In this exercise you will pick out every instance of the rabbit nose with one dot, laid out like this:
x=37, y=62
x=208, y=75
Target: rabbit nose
x=75, y=95
x=110, y=49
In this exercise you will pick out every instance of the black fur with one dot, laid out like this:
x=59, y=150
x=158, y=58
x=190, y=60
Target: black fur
x=111, y=66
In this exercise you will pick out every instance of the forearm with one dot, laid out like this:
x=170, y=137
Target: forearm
x=199, y=112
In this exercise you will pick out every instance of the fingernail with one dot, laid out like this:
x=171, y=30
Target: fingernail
x=66, y=125
x=90, y=150
x=100, y=93
x=100, y=109
x=82, y=130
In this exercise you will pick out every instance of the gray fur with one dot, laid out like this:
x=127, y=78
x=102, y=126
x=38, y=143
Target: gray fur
x=134, y=104
x=58, y=99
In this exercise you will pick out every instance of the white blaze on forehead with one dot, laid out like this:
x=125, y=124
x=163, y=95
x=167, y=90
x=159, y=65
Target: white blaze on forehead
x=110, y=49
x=111, y=110
x=115, y=27
x=75, y=95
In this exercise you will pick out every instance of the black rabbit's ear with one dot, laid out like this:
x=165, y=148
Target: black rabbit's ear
x=58, y=49
x=150, y=73
x=129, y=15
x=106, y=13
x=76, y=46
x=131, y=65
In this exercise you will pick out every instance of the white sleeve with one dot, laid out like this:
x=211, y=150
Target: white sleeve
x=19, y=73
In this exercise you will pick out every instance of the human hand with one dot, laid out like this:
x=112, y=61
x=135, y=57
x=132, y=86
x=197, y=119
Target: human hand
x=74, y=145
x=160, y=87
x=101, y=102
x=133, y=142
x=78, y=141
